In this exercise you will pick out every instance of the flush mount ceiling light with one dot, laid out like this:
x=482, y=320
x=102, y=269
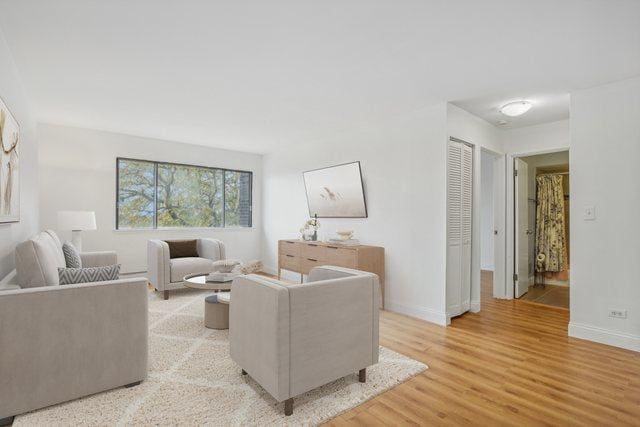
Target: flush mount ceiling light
x=516, y=108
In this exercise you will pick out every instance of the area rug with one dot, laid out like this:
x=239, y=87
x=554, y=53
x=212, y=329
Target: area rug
x=193, y=381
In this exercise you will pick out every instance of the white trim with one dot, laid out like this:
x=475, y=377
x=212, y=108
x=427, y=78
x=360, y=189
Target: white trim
x=423, y=313
x=509, y=232
x=475, y=307
x=10, y=278
x=604, y=336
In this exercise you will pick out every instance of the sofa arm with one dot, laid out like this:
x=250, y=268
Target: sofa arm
x=212, y=249
x=158, y=265
x=64, y=342
x=98, y=259
x=259, y=332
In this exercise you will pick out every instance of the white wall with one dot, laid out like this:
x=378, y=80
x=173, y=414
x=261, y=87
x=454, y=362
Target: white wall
x=538, y=138
x=78, y=172
x=404, y=167
x=604, y=159
x=486, y=212
x=482, y=135
x=14, y=96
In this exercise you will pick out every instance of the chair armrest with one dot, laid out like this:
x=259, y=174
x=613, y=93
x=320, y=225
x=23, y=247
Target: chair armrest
x=334, y=328
x=65, y=342
x=259, y=332
x=98, y=259
x=212, y=249
x=158, y=265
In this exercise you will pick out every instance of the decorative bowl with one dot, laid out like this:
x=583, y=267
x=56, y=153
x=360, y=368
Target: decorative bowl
x=344, y=234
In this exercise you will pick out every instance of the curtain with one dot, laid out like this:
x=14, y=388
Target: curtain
x=550, y=226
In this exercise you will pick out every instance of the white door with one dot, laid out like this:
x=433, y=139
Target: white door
x=459, y=220
x=523, y=230
x=499, y=249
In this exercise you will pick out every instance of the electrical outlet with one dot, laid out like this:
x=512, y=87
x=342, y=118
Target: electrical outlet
x=620, y=314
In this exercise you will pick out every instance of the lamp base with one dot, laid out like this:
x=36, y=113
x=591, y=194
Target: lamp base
x=76, y=239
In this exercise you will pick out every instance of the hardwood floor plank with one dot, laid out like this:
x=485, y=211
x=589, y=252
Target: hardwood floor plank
x=510, y=364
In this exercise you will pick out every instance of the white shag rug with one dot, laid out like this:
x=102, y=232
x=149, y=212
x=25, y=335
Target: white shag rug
x=193, y=381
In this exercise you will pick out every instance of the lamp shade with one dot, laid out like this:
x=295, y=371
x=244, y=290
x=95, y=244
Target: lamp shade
x=76, y=220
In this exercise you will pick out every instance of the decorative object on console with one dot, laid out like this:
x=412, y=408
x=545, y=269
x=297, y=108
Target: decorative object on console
x=300, y=257
x=336, y=192
x=72, y=276
x=71, y=255
x=310, y=229
x=344, y=234
x=77, y=221
x=9, y=162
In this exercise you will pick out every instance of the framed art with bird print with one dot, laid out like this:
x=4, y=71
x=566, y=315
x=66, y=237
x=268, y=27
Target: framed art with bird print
x=9, y=166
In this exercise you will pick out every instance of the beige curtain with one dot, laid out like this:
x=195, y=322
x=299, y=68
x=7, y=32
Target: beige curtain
x=550, y=226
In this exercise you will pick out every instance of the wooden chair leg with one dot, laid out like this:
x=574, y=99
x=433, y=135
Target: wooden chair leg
x=244, y=372
x=362, y=375
x=165, y=295
x=288, y=407
x=6, y=421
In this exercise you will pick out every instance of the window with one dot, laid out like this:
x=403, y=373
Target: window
x=169, y=195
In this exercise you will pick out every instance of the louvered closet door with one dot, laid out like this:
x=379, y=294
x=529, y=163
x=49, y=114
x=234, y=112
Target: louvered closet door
x=459, y=217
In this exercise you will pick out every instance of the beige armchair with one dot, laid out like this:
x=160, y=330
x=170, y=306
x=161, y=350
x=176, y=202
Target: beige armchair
x=166, y=274
x=294, y=338
x=64, y=342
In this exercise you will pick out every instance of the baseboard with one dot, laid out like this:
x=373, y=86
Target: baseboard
x=604, y=336
x=433, y=316
x=475, y=306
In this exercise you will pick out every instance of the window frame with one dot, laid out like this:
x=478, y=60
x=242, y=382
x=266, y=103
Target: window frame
x=155, y=164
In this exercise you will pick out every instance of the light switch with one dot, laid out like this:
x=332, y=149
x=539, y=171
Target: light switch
x=589, y=213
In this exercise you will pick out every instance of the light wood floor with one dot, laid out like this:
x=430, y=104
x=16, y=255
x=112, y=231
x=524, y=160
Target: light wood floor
x=557, y=296
x=510, y=364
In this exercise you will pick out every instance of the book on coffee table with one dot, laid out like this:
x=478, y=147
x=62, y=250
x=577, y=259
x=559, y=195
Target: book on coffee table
x=221, y=277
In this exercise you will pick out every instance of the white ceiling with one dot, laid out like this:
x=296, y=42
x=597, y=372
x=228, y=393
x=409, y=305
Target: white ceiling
x=259, y=75
x=546, y=107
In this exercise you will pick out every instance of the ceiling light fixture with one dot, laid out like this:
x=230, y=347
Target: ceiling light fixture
x=516, y=108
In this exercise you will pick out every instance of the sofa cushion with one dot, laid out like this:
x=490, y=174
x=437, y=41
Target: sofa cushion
x=183, y=248
x=180, y=267
x=71, y=256
x=38, y=259
x=70, y=276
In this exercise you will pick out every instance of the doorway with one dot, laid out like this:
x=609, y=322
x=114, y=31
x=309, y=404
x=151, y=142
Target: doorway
x=491, y=215
x=542, y=229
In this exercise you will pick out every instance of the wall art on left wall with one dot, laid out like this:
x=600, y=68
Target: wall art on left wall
x=9, y=171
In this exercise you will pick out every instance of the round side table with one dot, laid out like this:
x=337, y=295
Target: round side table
x=216, y=311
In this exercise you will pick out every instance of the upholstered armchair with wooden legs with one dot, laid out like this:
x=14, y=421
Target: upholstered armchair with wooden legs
x=293, y=338
x=166, y=273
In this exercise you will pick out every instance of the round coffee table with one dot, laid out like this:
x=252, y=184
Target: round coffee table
x=216, y=306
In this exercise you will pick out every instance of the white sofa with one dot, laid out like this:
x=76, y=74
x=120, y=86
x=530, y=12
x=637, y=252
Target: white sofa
x=166, y=274
x=294, y=338
x=59, y=343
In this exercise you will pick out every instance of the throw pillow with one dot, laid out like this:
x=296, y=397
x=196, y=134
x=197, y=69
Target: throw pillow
x=71, y=256
x=183, y=248
x=70, y=276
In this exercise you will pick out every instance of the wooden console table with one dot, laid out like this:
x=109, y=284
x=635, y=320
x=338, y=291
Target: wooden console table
x=301, y=256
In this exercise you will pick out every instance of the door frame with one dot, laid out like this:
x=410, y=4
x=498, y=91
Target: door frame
x=508, y=290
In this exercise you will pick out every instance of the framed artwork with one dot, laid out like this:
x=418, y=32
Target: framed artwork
x=9, y=166
x=336, y=192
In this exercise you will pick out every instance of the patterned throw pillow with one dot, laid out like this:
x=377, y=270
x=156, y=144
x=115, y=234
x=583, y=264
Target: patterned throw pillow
x=70, y=276
x=71, y=256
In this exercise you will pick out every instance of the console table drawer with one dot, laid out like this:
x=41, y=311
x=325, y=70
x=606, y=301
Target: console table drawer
x=313, y=251
x=290, y=262
x=306, y=264
x=340, y=257
x=290, y=248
